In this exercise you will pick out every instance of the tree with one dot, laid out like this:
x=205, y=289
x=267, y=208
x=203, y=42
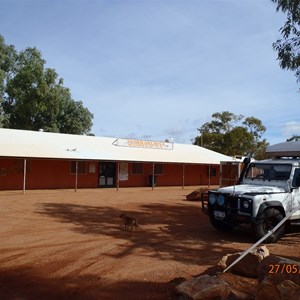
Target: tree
x=294, y=138
x=33, y=98
x=232, y=134
x=288, y=47
x=7, y=59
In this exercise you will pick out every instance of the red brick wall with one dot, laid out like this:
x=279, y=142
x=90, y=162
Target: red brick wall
x=52, y=174
x=11, y=174
x=55, y=174
x=173, y=175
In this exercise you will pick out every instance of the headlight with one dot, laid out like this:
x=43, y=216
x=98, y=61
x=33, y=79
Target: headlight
x=246, y=204
x=212, y=198
x=221, y=200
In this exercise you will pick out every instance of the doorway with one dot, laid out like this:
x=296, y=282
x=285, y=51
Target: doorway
x=107, y=174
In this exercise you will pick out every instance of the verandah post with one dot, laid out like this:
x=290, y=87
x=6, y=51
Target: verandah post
x=208, y=176
x=183, y=176
x=24, y=175
x=153, y=171
x=118, y=176
x=76, y=176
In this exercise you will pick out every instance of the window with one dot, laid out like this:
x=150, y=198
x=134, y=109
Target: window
x=158, y=169
x=213, y=172
x=92, y=168
x=137, y=169
x=296, y=174
x=81, y=167
x=269, y=171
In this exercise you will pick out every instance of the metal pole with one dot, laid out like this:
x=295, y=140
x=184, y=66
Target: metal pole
x=118, y=177
x=24, y=177
x=76, y=177
x=220, y=176
x=208, y=176
x=182, y=176
x=153, y=176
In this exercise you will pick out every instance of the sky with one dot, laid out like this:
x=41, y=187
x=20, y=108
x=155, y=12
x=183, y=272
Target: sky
x=159, y=69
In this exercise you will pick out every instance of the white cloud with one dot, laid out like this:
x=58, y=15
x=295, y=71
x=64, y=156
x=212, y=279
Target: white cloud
x=160, y=69
x=291, y=128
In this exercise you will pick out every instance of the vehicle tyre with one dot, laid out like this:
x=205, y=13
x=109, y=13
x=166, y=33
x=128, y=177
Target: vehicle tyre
x=266, y=222
x=220, y=225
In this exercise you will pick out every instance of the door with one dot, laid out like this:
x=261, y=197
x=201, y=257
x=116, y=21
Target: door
x=229, y=173
x=296, y=195
x=107, y=174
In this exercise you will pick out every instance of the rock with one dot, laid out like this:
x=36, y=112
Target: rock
x=240, y=287
x=279, y=278
x=287, y=289
x=196, y=195
x=270, y=289
x=296, y=295
x=204, y=287
x=248, y=265
x=267, y=290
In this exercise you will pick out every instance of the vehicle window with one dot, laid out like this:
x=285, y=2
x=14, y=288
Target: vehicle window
x=269, y=172
x=296, y=174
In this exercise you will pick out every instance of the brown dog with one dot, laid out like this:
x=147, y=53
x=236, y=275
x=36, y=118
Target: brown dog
x=129, y=222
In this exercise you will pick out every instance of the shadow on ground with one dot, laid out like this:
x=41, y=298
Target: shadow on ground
x=166, y=230
x=33, y=286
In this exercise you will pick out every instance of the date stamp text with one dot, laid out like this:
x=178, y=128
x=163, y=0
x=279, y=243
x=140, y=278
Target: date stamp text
x=284, y=269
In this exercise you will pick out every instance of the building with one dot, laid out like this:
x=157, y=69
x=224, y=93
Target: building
x=43, y=160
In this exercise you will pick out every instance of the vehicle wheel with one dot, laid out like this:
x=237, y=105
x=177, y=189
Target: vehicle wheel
x=266, y=222
x=219, y=225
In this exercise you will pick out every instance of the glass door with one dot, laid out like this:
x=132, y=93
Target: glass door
x=107, y=174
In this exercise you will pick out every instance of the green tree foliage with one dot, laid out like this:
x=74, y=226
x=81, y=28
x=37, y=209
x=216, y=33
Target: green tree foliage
x=288, y=47
x=7, y=60
x=33, y=97
x=232, y=134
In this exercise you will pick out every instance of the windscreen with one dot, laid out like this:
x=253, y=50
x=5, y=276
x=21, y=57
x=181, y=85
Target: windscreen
x=269, y=171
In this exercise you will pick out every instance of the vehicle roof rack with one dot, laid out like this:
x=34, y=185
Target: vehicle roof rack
x=285, y=149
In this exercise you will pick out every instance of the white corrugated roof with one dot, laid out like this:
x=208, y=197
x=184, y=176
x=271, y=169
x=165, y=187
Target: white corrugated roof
x=36, y=144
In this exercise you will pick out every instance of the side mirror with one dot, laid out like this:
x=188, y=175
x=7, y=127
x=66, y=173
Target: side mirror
x=247, y=160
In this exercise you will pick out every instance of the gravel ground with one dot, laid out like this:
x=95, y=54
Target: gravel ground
x=60, y=244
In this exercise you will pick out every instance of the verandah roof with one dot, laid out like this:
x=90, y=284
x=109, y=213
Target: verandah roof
x=36, y=144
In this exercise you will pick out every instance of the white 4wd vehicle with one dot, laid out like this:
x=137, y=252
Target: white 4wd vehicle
x=267, y=192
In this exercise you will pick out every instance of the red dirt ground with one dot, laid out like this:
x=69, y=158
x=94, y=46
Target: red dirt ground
x=60, y=244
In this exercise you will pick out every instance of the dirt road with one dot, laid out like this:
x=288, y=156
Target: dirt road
x=64, y=245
